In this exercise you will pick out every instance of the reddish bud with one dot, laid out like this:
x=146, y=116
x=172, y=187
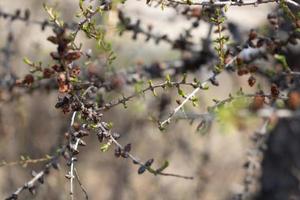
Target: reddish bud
x=274, y=91
x=251, y=81
x=28, y=79
x=47, y=73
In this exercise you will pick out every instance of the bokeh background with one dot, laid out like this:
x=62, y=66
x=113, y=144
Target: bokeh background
x=31, y=126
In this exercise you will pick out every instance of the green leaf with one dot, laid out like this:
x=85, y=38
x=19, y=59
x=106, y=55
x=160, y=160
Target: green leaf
x=81, y=4
x=54, y=16
x=93, y=126
x=27, y=61
x=168, y=80
x=74, y=80
x=22, y=157
x=282, y=60
x=110, y=125
x=204, y=86
x=151, y=88
x=105, y=147
x=184, y=78
x=194, y=101
x=180, y=92
x=150, y=83
x=138, y=87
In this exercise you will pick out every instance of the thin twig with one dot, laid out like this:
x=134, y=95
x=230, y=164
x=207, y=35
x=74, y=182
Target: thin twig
x=71, y=172
x=25, y=161
x=39, y=176
x=168, y=120
x=231, y=3
x=135, y=159
x=123, y=100
x=80, y=184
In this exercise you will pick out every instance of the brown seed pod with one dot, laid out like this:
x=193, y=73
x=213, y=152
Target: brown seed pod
x=47, y=73
x=75, y=71
x=28, y=79
x=242, y=71
x=253, y=69
x=251, y=81
x=57, y=68
x=274, y=90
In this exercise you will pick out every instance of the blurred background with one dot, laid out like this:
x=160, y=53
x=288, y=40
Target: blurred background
x=31, y=126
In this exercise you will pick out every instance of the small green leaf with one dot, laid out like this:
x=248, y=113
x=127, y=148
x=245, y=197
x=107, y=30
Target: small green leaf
x=93, y=126
x=184, y=78
x=168, y=78
x=105, y=147
x=22, y=157
x=150, y=83
x=110, y=125
x=282, y=60
x=138, y=87
x=125, y=104
x=204, y=86
x=194, y=101
x=27, y=61
x=180, y=92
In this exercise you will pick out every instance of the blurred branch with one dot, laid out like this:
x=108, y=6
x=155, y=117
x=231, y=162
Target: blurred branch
x=38, y=177
x=25, y=161
x=231, y=3
x=24, y=16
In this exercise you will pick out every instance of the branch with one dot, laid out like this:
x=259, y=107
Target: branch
x=80, y=184
x=151, y=87
x=231, y=3
x=213, y=77
x=137, y=161
x=71, y=172
x=31, y=184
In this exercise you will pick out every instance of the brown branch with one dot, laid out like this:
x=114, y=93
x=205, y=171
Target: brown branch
x=231, y=3
x=137, y=161
x=31, y=184
x=80, y=184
